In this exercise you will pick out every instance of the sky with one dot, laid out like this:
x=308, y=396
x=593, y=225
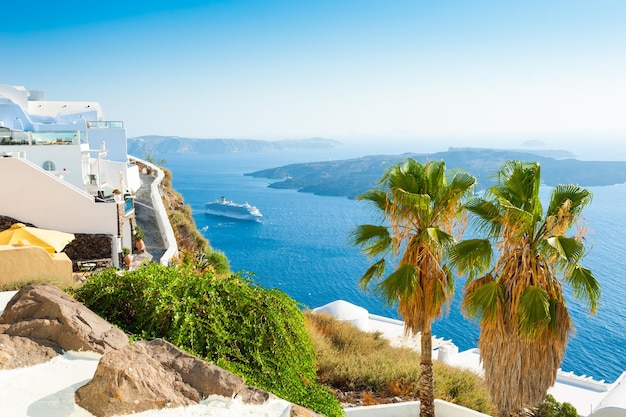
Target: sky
x=543, y=74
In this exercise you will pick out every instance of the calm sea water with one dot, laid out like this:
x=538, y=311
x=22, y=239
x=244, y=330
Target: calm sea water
x=301, y=246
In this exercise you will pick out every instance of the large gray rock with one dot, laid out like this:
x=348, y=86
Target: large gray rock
x=52, y=318
x=149, y=375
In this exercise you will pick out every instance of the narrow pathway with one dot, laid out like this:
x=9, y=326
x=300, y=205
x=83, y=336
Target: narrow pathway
x=146, y=219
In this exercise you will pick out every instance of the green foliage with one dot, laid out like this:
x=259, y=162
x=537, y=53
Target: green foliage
x=552, y=408
x=251, y=331
x=139, y=234
x=211, y=259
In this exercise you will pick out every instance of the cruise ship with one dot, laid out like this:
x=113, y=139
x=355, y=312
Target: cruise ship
x=225, y=208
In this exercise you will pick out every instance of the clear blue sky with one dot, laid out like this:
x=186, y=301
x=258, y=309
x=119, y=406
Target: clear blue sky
x=445, y=72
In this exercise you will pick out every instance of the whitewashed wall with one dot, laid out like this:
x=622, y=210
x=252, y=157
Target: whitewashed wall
x=30, y=194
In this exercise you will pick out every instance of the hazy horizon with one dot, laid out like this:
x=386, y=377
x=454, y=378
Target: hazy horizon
x=436, y=74
x=593, y=149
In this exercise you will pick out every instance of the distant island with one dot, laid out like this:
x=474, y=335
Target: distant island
x=157, y=146
x=351, y=177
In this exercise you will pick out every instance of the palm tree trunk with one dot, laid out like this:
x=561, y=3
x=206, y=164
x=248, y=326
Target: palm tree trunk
x=427, y=383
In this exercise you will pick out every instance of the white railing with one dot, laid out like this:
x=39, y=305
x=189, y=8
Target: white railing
x=167, y=233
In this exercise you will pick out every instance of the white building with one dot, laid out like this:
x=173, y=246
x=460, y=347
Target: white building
x=65, y=167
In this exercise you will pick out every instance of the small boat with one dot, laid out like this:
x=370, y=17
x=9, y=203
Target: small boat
x=226, y=208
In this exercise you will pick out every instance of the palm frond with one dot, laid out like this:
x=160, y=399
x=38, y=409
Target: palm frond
x=373, y=272
x=436, y=178
x=533, y=311
x=471, y=256
x=578, y=198
x=448, y=204
x=449, y=280
x=483, y=300
x=462, y=183
x=408, y=176
x=374, y=240
x=411, y=205
x=403, y=282
x=516, y=218
x=585, y=286
x=440, y=238
x=570, y=249
x=440, y=295
x=485, y=217
x=377, y=198
x=518, y=185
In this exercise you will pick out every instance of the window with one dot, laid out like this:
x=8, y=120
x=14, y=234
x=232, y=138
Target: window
x=48, y=166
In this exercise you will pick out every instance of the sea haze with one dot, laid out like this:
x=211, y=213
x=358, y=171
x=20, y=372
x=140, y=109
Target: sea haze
x=301, y=247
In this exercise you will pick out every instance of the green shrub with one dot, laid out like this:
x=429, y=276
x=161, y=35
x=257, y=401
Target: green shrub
x=251, y=331
x=550, y=407
x=211, y=259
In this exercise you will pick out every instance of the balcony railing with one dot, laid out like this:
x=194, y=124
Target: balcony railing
x=16, y=137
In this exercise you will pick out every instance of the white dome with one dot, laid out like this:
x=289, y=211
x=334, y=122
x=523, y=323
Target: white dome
x=348, y=312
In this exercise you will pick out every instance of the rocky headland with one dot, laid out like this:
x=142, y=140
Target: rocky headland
x=352, y=177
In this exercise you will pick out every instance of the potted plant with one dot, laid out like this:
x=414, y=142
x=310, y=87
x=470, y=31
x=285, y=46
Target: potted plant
x=139, y=236
x=127, y=257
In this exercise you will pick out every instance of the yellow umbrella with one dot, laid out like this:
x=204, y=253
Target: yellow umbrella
x=51, y=240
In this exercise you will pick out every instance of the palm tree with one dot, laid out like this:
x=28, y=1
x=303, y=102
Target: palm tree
x=518, y=299
x=418, y=210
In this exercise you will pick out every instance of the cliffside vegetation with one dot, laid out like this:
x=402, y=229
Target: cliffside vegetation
x=251, y=331
x=188, y=237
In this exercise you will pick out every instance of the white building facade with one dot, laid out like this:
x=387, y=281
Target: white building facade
x=65, y=167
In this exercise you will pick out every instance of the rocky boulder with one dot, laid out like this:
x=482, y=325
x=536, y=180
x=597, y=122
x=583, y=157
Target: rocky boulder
x=149, y=375
x=20, y=352
x=298, y=411
x=50, y=317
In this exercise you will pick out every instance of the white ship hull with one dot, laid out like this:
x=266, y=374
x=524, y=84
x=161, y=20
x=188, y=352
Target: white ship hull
x=233, y=210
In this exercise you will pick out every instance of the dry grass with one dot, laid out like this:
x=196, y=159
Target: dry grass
x=17, y=285
x=364, y=367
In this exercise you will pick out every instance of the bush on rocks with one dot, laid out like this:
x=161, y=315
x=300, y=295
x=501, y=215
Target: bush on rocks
x=251, y=331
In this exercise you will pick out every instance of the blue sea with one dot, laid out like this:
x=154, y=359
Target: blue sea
x=301, y=247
